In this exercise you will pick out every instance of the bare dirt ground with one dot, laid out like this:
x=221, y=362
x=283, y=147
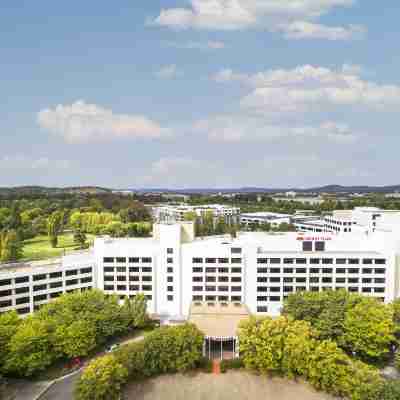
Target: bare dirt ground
x=234, y=385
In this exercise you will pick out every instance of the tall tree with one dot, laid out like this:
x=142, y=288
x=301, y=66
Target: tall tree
x=10, y=246
x=55, y=225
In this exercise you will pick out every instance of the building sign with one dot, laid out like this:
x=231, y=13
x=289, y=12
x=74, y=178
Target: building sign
x=314, y=238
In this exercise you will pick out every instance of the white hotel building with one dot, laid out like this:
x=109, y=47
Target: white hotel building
x=258, y=270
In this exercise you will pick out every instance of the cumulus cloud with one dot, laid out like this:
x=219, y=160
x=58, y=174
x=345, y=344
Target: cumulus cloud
x=310, y=88
x=81, y=122
x=210, y=45
x=294, y=18
x=168, y=72
x=234, y=129
x=23, y=162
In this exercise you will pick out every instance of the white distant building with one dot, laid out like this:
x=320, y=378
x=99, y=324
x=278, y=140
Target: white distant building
x=177, y=213
x=258, y=218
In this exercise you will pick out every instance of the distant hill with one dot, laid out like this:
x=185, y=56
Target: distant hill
x=333, y=189
x=49, y=191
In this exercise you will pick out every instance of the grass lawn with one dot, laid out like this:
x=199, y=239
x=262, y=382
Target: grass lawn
x=39, y=248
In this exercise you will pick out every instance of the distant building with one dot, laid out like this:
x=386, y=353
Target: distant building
x=259, y=218
x=177, y=213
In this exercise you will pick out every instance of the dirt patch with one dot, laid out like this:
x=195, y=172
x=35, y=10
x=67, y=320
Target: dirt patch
x=234, y=385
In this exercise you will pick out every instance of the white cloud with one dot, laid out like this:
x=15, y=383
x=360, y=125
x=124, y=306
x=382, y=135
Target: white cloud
x=308, y=30
x=235, y=129
x=210, y=45
x=295, y=18
x=81, y=122
x=310, y=89
x=168, y=72
x=22, y=162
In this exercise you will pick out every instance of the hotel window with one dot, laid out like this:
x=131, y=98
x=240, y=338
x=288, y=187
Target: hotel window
x=314, y=270
x=24, y=279
x=236, y=260
x=22, y=290
x=223, y=260
x=307, y=246
x=301, y=261
x=327, y=261
x=197, y=298
x=262, y=309
x=262, y=270
x=82, y=271
x=210, y=288
x=288, y=289
x=134, y=288
x=36, y=288
x=147, y=287
x=108, y=287
x=327, y=270
x=108, y=259
x=86, y=280
x=275, y=270
x=40, y=297
x=340, y=280
x=121, y=269
x=236, y=250
x=340, y=261
x=288, y=280
x=5, y=303
x=223, y=270
x=197, y=288
x=196, y=260
x=170, y=278
x=353, y=270
x=275, y=261
x=210, y=279
x=149, y=297
x=170, y=260
x=314, y=289
x=121, y=260
x=301, y=270
x=367, y=261
x=71, y=272
x=353, y=261
x=301, y=289
x=211, y=260
x=380, y=261
x=236, y=288
x=121, y=287
x=236, y=270
x=275, y=298
x=319, y=246
x=288, y=270
x=314, y=279
x=211, y=270
x=379, y=270
x=274, y=279
x=133, y=269
x=144, y=278
x=353, y=289
x=262, y=260
x=262, y=298
x=72, y=282
x=366, y=290
x=236, y=279
x=210, y=298
x=22, y=300
x=340, y=270
x=223, y=279
x=352, y=280
x=170, y=288
x=288, y=260
x=55, y=285
x=133, y=259
x=38, y=277
x=197, y=269
x=379, y=290
x=146, y=269
x=262, y=279
x=170, y=250
x=146, y=259
x=133, y=278
x=367, y=270
x=301, y=280
x=170, y=297
x=380, y=280
x=223, y=288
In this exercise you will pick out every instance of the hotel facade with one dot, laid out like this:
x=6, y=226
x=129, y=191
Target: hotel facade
x=256, y=270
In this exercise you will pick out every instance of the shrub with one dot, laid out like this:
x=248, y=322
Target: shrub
x=102, y=379
x=205, y=365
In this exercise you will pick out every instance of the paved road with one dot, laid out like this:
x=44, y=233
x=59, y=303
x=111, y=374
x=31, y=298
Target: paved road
x=63, y=390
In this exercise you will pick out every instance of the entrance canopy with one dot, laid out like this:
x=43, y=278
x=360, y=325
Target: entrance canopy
x=218, y=320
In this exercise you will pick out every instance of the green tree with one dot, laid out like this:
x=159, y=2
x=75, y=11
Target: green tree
x=9, y=323
x=10, y=246
x=30, y=348
x=102, y=380
x=79, y=238
x=136, y=311
x=76, y=339
x=369, y=329
x=55, y=225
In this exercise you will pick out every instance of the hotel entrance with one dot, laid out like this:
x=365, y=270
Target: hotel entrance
x=220, y=348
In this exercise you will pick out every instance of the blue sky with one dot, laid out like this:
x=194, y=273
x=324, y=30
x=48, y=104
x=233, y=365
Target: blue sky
x=199, y=93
